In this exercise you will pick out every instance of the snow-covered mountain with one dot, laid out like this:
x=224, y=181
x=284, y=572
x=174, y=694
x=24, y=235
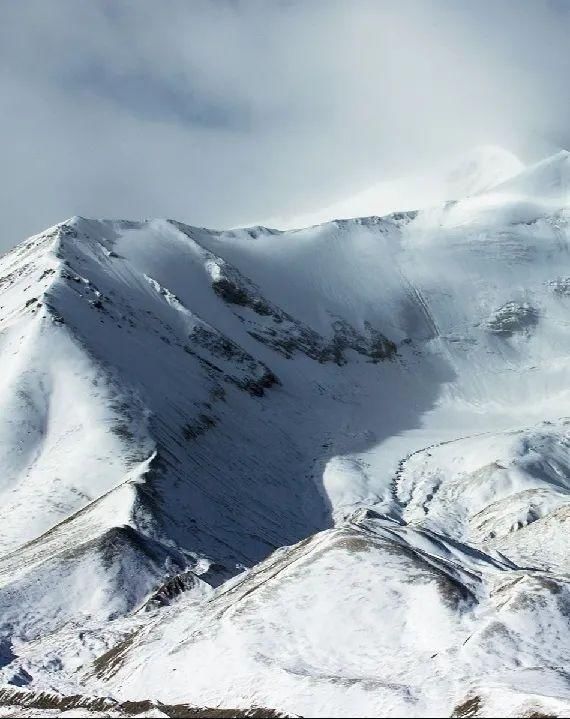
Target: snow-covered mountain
x=321, y=471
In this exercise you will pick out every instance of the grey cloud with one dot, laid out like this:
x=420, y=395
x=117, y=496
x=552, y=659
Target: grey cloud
x=223, y=113
x=149, y=98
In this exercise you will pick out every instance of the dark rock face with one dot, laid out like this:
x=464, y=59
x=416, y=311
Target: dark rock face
x=172, y=588
x=47, y=701
x=373, y=344
x=244, y=371
x=231, y=292
x=512, y=318
x=561, y=286
x=277, y=329
x=199, y=426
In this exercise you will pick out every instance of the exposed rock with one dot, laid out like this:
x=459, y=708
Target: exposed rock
x=48, y=702
x=172, y=588
x=561, y=286
x=513, y=317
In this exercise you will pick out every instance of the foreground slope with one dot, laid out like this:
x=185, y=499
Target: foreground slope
x=179, y=403
x=372, y=618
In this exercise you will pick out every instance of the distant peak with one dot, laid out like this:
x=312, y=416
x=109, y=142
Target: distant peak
x=548, y=179
x=480, y=169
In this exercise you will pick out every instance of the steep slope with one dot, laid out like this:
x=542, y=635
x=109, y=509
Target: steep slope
x=135, y=426
x=389, y=392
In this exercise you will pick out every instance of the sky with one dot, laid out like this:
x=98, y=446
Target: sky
x=231, y=112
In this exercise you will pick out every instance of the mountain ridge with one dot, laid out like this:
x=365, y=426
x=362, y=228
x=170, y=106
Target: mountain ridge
x=323, y=469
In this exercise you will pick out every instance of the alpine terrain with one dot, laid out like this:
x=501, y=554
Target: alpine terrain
x=306, y=472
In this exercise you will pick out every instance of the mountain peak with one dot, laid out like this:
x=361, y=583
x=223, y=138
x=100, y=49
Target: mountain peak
x=545, y=183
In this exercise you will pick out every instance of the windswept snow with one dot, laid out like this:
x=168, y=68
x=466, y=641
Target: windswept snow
x=323, y=471
x=478, y=170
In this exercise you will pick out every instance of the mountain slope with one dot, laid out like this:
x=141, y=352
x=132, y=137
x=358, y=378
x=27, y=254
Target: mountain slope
x=181, y=405
x=125, y=408
x=419, y=619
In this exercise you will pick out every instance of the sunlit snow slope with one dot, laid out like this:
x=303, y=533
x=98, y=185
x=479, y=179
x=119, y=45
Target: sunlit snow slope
x=367, y=416
x=476, y=171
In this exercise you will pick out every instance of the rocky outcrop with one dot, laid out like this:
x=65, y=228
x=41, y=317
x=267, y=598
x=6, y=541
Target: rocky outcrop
x=513, y=318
